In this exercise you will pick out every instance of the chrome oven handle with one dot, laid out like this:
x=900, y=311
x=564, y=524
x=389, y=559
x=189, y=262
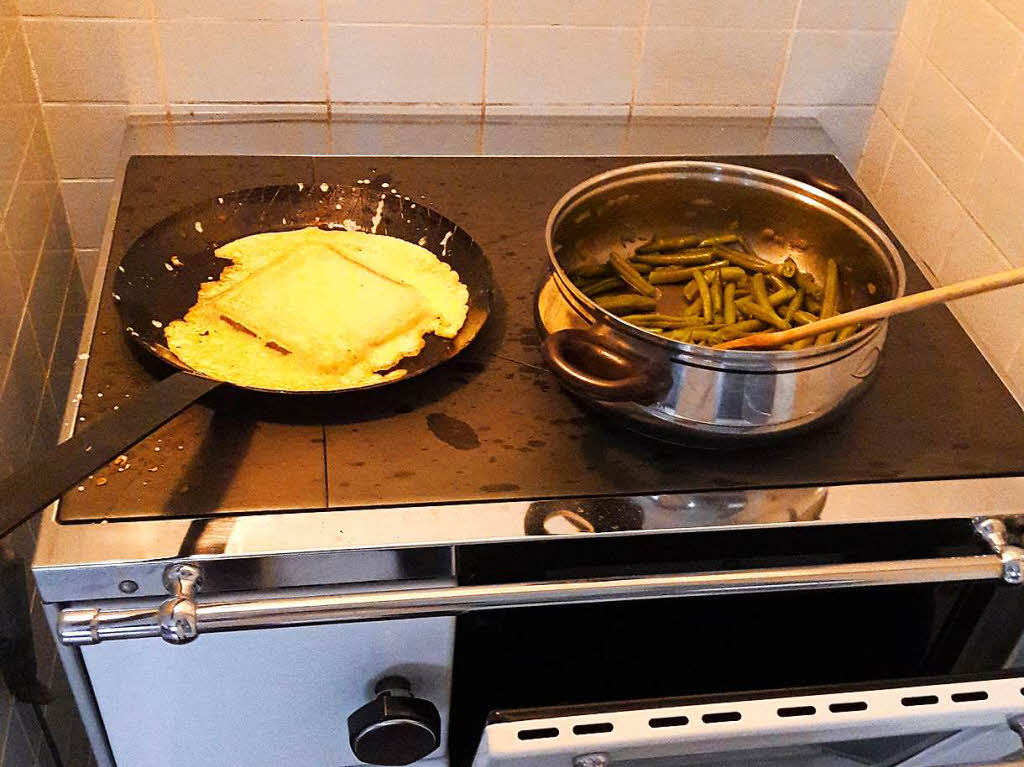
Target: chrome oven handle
x=181, y=618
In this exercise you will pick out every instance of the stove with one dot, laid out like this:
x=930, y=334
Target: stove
x=493, y=425
x=472, y=568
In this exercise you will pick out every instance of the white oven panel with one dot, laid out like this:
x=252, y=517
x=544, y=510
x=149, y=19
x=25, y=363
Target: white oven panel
x=262, y=698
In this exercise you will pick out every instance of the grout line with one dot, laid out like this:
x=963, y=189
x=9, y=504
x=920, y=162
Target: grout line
x=784, y=68
x=634, y=82
x=158, y=53
x=483, y=78
x=325, y=43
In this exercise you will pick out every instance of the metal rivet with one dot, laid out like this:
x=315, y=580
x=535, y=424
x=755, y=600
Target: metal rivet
x=127, y=587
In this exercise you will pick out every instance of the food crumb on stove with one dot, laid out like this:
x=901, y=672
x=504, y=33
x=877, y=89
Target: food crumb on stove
x=181, y=447
x=121, y=459
x=157, y=448
x=199, y=226
x=384, y=185
x=117, y=407
x=157, y=323
x=337, y=206
x=101, y=481
x=117, y=297
x=99, y=394
x=81, y=418
x=176, y=261
x=83, y=356
x=81, y=488
x=301, y=186
x=324, y=187
x=220, y=200
x=152, y=468
x=88, y=448
x=872, y=288
x=120, y=268
x=768, y=233
x=168, y=267
x=284, y=220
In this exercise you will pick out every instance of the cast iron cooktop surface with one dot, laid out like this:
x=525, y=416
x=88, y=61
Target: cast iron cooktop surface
x=493, y=424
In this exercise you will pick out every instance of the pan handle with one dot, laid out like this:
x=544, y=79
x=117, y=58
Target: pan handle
x=50, y=473
x=849, y=195
x=585, y=363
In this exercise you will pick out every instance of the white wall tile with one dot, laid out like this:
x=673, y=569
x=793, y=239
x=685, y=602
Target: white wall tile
x=750, y=14
x=996, y=318
x=877, y=150
x=918, y=207
x=124, y=9
x=89, y=60
x=566, y=12
x=406, y=64
x=976, y=47
x=243, y=61
x=85, y=138
x=406, y=11
x=528, y=65
x=904, y=67
x=711, y=66
x=996, y=197
x=87, y=203
x=1014, y=9
x=946, y=130
x=848, y=128
x=278, y=10
x=850, y=14
x=836, y=67
x=919, y=19
x=1011, y=116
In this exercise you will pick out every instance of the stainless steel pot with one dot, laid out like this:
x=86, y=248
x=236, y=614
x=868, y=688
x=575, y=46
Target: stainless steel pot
x=687, y=391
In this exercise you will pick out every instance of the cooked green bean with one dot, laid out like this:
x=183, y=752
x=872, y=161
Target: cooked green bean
x=667, y=321
x=812, y=304
x=722, y=239
x=661, y=244
x=810, y=286
x=731, y=273
x=688, y=258
x=780, y=297
x=739, y=329
x=586, y=271
x=759, y=291
x=743, y=260
x=693, y=309
x=715, y=284
x=777, y=282
x=626, y=303
x=829, y=301
x=846, y=332
x=690, y=290
x=729, y=303
x=788, y=268
x=801, y=317
x=604, y=285
x=705, y=295
x=756, y=311
x=668, y=274
x=803, y=343
x=631, y=276
x=796, y=302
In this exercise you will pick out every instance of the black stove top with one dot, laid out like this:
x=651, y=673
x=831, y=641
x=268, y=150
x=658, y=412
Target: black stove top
x=493, y=424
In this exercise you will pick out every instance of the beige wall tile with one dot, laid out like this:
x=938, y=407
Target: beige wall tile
x=919, y=19
x=995, y=198
x=918, y=207
x=15, y=130
x=566, y=12
x=89, y=60
x=836, y=67
x=877, y=151
x=1016, y=372
x=851, y=14
x=529, y=65
x=276, y=10
x=229, y=61
x=749, y=14
x=38, y=164
x=1014, y=9
x=123, y=9
x=1011, y=116
x=406, y=64
x=85, y=138
x=996, y=318
x=976, y=47
x=711, y=66
x=847, y=126
x=17, y=85
x=87, y=203
x=406, y=12
x=946, y=130
x=22, y=391
x=899, y=81
x=28, y=217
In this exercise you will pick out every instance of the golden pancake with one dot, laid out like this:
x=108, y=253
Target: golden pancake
x=318, y=310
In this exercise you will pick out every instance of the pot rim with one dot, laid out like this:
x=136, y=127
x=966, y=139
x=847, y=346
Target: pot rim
x=717, y=171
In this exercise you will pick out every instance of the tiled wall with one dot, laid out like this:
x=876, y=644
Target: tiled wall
x=41, y=306
x=100, y=60
x=944, y=158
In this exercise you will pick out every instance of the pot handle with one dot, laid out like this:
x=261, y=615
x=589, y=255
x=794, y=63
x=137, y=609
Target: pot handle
x=847, y=194
x=585, y=363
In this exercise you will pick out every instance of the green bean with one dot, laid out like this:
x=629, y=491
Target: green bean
x=759, y=291
x=586, y=271
x=743, y=260
x=626, y=303
x=722, y=239
x=803, y=343
x=846, y=332
x=693, y=309
x=731, y=273
x=729, y=303
x=777, y=282
x=793, y=305
x=602, y=286
x=688, y=258
x=780, y=297
x=788, y=268
x=807, y=282
x=667, y=321
x=661, y=244
x=756, y=311
x=685, y=335
x=829, y=301
x=740, y=329
x=715, y=284
x=668, y=274
x=705, y=295
x=631, y=276
x=801, y=317
x=690, y=290
x=702, y=334
x=812, y=304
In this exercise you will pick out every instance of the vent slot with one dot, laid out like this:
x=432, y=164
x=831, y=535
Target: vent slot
x=592, y=729
x=668, y=721
x=920, y=700
x=847, y=708
x=539, y=734
x=796, y=711
x=721, y=716
x=969, y=697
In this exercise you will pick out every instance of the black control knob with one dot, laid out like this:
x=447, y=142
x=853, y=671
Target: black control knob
x=395, y=727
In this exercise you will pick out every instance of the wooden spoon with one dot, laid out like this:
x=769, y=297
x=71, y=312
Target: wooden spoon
x=880, y=311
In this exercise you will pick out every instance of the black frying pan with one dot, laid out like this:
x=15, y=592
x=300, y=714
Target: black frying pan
x=149, y=294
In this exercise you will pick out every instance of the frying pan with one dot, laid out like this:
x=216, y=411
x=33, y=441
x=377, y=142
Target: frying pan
x=150, y=290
